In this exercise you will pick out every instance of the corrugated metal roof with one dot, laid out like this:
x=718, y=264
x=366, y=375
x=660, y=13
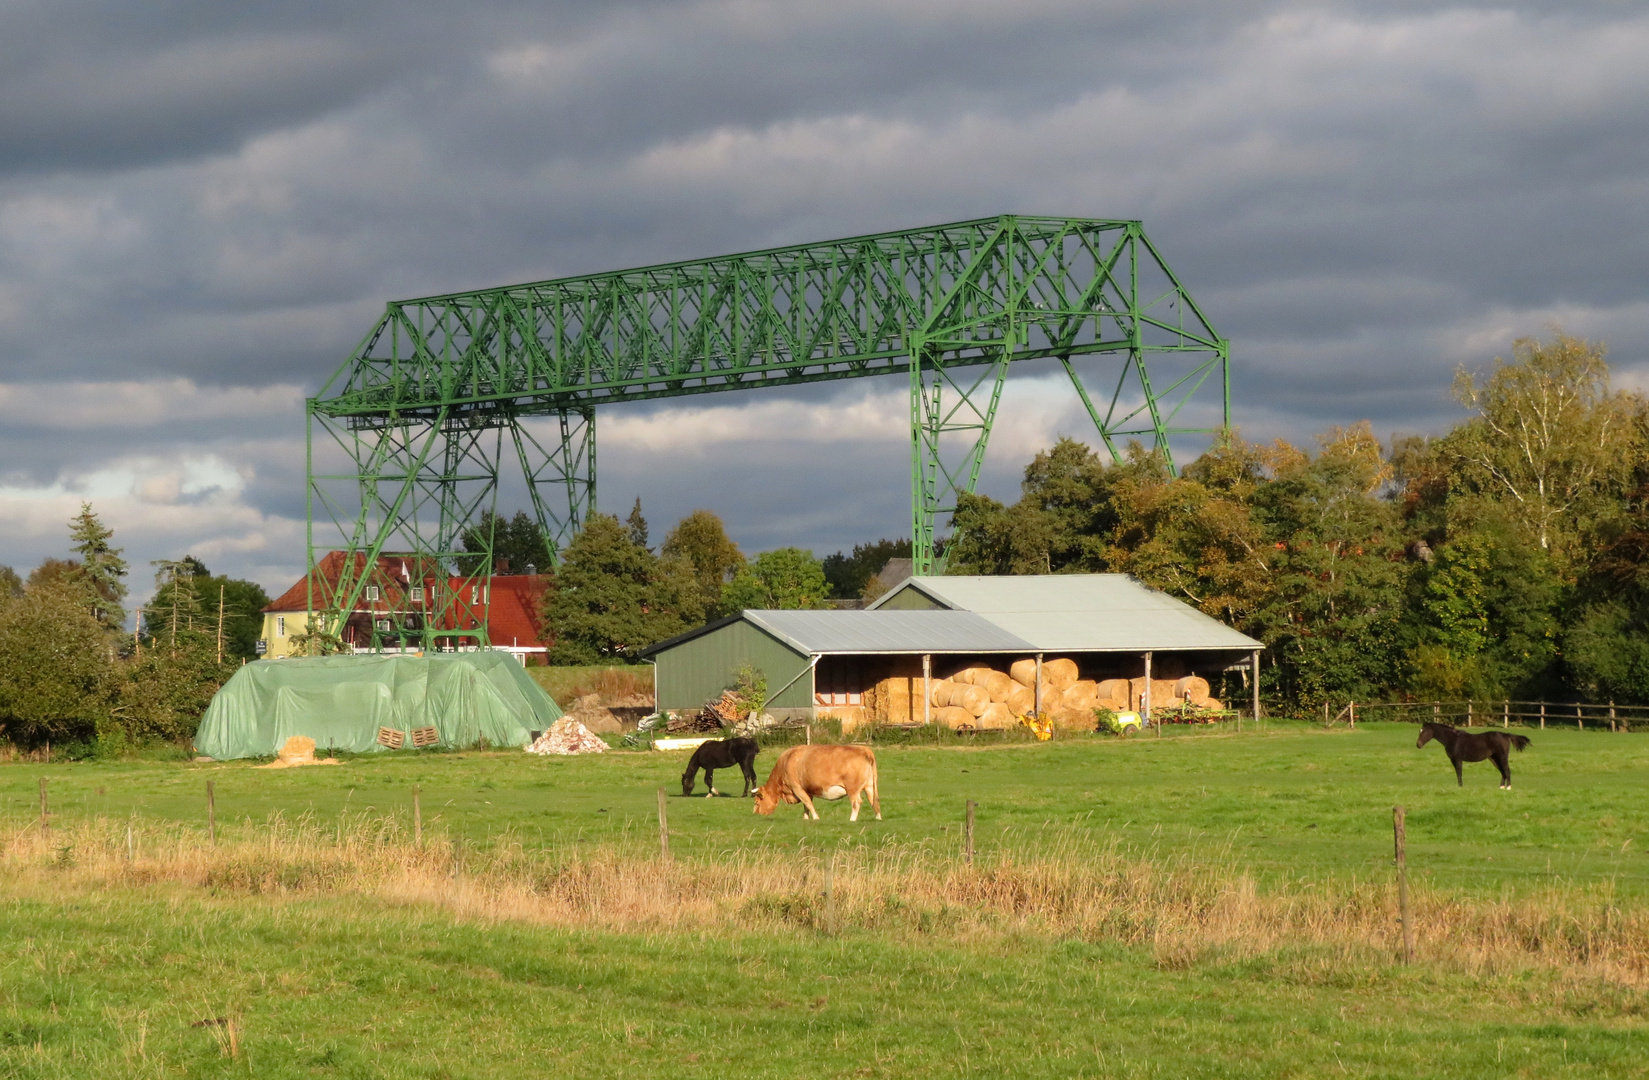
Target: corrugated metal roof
x=888, y=631
x=1081, y=612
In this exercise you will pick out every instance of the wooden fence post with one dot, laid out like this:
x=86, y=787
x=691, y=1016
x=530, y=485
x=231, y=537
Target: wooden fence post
x=1351, y=714
x=1468, y=713
x=1580, y=721
x=417, y=818
x=663, y=829
x=211, y=811
x=1542, y=716
x=45, y=811
x=829, y=891
x=967, y=835
x=1399, y=841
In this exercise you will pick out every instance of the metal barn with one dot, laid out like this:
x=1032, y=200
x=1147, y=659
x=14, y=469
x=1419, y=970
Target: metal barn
x=876, y=665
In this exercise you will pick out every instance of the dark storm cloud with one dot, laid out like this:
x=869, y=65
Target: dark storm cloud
x=217, y=198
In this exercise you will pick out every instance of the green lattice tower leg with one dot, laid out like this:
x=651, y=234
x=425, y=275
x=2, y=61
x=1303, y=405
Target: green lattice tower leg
x=570, y=467
x=941, y=469
x=465, y=490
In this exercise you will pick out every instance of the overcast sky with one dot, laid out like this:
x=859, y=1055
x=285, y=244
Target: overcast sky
x=204, y=206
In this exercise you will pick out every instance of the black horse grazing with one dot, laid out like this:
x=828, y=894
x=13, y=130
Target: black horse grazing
x=721, y=754
x=1491, y=745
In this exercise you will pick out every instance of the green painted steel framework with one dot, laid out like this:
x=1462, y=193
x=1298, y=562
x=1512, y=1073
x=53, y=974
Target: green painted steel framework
x=419, y=415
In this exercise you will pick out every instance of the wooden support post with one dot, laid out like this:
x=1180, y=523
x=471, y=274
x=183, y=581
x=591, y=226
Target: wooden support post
x=1145, y=699
x=663, y=829
x=45, y=810
x=1254, y=664
x=927, y=689
x=417, y=817
x=1400, y=843
x=128, y=841
x=1036, y=706
x=967, y=835
x=211, y=811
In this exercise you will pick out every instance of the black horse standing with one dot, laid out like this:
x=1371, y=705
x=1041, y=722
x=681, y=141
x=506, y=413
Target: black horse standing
x=721, y=754
x=1461, y=746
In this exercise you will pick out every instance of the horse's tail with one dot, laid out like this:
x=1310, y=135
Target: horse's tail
x=1518, y=741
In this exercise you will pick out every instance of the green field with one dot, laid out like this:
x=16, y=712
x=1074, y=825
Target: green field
x=1204, y=904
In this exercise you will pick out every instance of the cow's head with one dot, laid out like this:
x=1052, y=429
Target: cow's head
x=766, y=801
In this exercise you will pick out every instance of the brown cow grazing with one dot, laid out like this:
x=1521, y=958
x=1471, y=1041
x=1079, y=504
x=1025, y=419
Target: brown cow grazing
x=805, y=773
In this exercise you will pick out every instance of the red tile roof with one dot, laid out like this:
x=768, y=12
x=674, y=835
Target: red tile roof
x=513, y=614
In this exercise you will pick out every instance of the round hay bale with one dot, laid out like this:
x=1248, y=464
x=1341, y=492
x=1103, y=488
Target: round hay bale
x=1163, y=693
x=1021, y=700
x=972, y=675
x=1023, y=672
x=1210, y=703
x=940, y=693
x=1075, y=720
x=1060, y=671
x=1113, y=694
x=1079, y=696
x=953, y=717
x=998, y=684
x=996, y=717
x=972, y=698
x=961, y=675
x=1193, y=688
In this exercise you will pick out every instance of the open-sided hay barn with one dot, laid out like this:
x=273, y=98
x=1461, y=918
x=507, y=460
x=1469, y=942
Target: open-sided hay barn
x=929, y=637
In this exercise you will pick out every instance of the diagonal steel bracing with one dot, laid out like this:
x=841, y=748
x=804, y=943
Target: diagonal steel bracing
x=532, y=362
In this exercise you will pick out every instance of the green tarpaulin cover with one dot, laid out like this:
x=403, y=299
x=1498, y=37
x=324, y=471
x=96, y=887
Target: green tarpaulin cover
x=342, y=701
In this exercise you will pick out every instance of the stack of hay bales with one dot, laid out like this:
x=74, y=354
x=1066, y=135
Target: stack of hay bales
x=985, y=698
x=1128, y=695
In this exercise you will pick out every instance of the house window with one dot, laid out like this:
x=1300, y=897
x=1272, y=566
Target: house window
x=383, y=624
x=372, y=592
x=475, y=594
x=417, y=594
x=280, y=625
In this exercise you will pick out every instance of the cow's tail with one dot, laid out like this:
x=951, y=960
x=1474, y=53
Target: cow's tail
x=1519, y=741
x=875, y=796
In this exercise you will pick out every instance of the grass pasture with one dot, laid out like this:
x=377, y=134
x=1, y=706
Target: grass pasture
x=1206, y=904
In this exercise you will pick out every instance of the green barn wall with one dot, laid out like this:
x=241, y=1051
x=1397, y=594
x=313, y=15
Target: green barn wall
x=910, y=598
x=699, y=669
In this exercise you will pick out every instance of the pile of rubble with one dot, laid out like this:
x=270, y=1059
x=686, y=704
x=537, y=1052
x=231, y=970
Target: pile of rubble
x=567, y=736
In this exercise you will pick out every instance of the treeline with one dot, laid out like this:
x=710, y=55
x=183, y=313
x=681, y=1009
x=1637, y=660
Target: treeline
x=72, y=676
x=1504, y=559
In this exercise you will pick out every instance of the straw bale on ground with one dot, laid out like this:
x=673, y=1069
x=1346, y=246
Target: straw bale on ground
x=1021, y=700
x=296, y=751
x=954, y=717
x=939, y=695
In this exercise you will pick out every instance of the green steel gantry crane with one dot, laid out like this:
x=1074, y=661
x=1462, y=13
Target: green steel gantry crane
x=422, y=409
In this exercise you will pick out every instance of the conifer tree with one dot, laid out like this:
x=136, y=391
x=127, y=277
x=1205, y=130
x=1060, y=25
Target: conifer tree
x=101, y=567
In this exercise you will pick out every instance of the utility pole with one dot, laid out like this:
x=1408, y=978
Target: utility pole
x=220, y=622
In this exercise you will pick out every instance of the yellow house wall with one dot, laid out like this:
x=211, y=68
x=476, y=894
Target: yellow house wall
x=280, y=645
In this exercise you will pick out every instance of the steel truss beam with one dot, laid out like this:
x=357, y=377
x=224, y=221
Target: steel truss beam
x=922, y=302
